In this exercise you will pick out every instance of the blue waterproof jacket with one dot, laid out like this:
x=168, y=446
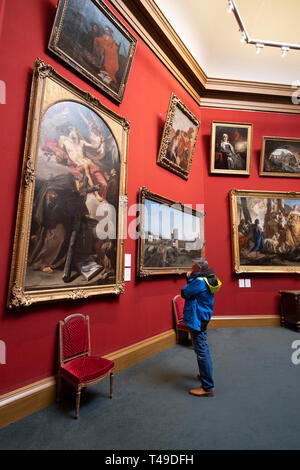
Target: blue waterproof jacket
x=199, y=302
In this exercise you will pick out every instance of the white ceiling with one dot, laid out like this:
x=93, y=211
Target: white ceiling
x=214, y=40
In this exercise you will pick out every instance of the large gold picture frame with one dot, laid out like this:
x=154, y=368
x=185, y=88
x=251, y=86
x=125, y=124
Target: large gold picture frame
x=170, y=235
x=71, y=217
x=90, y=38
x=265, y=231
x=230, y=149
x=179, y=139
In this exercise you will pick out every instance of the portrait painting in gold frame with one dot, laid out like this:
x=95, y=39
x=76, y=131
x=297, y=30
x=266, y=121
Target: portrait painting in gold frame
x=230, y=152
x=70, y=227
x=265, y=228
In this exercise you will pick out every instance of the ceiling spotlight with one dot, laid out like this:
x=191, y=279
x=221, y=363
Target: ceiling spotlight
x=258, y=43
x=259, y=47
x=284, y=51
x=230, y=6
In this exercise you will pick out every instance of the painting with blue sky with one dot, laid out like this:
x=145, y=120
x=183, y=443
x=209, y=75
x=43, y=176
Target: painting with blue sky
x=171, y=237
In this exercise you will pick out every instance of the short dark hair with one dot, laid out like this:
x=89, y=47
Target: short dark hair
x=201, y=262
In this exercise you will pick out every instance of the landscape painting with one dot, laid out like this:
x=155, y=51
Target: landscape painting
x=230, y=148
x=68, y=237
x=179, y=139
x=280, y=156
x=91, y=39
x=170, y=237
x=265, y=231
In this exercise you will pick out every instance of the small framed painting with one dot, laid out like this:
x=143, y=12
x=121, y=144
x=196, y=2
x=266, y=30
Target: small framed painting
x=170, y=235
x=179, y=139
x=265, y=227
x=230, y=148
x=90, y=38
x=280, y=156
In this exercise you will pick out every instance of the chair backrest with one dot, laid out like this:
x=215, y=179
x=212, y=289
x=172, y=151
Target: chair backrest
x=74, y=337
x=178, y=305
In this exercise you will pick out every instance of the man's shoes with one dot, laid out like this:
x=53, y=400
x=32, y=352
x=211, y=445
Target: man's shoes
x=200, y=392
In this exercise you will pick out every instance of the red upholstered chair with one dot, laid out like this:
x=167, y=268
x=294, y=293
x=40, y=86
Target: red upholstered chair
x=77, y=366
x=178, y=304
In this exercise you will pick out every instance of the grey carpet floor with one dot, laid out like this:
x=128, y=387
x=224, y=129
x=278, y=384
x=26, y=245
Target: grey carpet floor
x=256, y=403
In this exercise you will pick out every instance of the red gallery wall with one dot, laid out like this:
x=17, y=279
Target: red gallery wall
x=144, y=310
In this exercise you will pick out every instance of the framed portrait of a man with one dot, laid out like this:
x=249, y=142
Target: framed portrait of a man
x=91, y=39
x=179, y=138
x=230, y=148
x=69, y=231
x=265, y=227
x=280, y=156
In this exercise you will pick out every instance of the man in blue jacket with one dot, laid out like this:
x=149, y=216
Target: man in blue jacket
x=198, y=309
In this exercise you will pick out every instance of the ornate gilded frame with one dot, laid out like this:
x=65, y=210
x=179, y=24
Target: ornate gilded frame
x=143, y=270
x=229, y=127
x=163, y=159
x=263, y=262
x=286, y=140
x=48, y=88
x=77, y=63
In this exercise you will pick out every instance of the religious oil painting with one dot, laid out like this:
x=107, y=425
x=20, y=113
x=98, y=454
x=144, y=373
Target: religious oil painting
x=230, y=151
x=265, y=231
x=71, y=213
x=91, y=39
x=170, y=235
x=280, y=156
x=179, y=139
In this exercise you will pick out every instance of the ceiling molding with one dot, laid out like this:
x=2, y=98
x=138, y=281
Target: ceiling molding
x=248, y=105
x=145, y=17
x=240, y=86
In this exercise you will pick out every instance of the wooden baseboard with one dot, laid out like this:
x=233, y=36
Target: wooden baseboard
x=27, y=400
x=34, y=397
x=239, y=321
x=129, y=356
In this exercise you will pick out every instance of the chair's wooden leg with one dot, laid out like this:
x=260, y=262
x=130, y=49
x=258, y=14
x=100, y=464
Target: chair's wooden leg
x=78, y=394
x=111, y=384
x=58, y=388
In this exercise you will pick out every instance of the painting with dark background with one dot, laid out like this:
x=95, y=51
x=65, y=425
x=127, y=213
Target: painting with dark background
x=281, y=156
x=90, y=38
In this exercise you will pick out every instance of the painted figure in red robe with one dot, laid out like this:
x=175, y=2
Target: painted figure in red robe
x=106, y=50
